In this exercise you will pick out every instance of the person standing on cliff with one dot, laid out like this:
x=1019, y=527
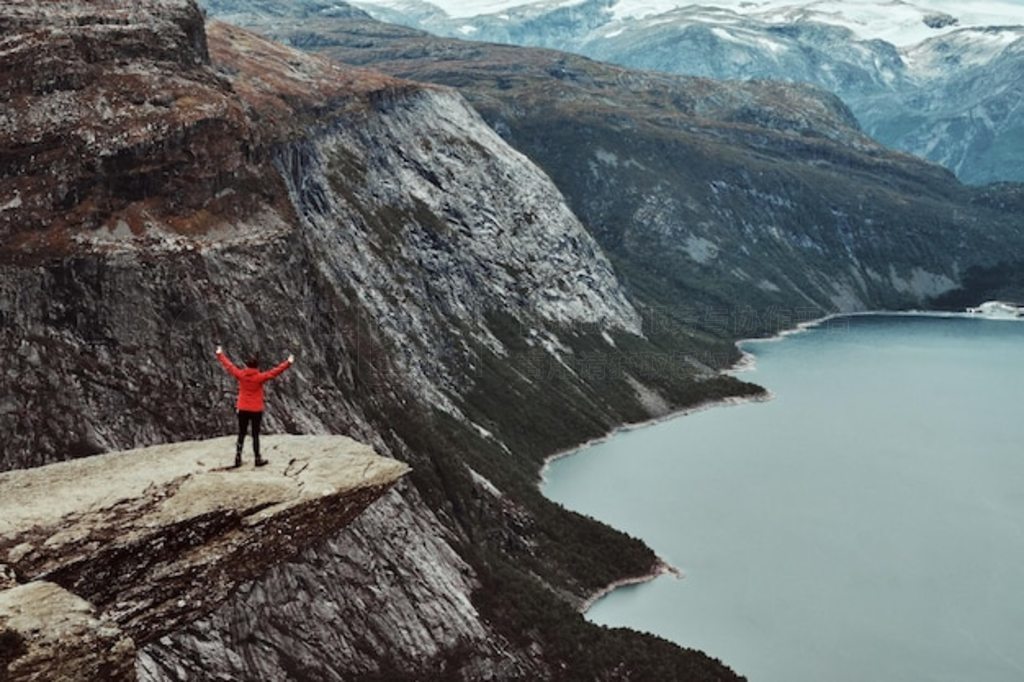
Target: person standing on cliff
x=250, y=399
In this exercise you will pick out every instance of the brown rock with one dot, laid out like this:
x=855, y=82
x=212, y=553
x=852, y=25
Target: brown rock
x=153, y=538
x=47, y=633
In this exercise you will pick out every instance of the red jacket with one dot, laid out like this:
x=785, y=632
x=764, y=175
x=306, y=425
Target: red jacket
x=250, y=383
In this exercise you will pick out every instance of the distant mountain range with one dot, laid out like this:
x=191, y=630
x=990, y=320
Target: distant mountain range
x=706, y=195
x=941, y=80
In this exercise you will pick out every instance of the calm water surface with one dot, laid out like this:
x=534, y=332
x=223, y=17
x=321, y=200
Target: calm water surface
x=867, y=524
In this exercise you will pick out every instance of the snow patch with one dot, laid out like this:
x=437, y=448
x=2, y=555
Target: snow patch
x=460, y=9
x=700, y=249
x=12, y=204
x=967, y=48
x=481, y=430
x=747, y=39
x=900, y=23
x=921, y=283
x=606, y=157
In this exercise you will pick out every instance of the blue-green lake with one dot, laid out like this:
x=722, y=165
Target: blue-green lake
x=865, y=524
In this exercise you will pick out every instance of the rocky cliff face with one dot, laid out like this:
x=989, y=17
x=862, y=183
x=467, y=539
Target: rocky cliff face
x=284, y=625
x=110, y=115
x=737, y=207
x=176, y=191
x=111, y=552
x=402, y=202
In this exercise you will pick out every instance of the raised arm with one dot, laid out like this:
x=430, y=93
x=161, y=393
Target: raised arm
x=228, y=365
x=271, y=373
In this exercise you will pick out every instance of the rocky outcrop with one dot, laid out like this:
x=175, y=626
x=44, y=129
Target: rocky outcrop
x=109, y=106
x=48, y=633
x=112, y=552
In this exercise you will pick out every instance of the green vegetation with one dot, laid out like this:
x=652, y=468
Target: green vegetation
x=1000, y=282
x=529, y=552
x=576, y=650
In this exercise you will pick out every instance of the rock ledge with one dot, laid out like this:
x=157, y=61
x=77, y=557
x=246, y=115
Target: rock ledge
x=104, y=554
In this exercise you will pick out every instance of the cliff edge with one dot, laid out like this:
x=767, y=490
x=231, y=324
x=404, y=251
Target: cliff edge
x=104, y=554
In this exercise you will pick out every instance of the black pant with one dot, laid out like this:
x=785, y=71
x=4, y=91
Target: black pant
x=244, y=419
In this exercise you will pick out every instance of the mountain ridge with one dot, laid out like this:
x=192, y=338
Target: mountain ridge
x=664, y=169
x=897, y=98
x=901, y=23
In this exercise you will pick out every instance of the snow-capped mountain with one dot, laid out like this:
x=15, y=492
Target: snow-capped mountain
x=895, y=21
x=935, y=78
x=965, y=108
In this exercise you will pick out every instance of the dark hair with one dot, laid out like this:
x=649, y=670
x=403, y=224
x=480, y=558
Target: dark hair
x=253, y=361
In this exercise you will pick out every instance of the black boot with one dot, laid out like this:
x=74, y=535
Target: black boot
x=238, y=455
x=260, y=462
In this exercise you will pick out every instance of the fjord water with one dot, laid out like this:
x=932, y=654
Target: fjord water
x=866, y=523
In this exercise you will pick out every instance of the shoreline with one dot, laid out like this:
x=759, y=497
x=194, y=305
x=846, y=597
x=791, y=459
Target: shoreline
x=660, y=568
x=653, y=421
x=746, y=363
x=748, y=360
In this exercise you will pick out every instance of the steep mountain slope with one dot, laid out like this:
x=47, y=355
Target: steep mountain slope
x=165, y=188
x=734, y=207
x=965, y=110
x=938, y=80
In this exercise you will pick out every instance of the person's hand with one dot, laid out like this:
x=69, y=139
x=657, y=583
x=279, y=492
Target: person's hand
x=291, y=359
x=219, y=350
